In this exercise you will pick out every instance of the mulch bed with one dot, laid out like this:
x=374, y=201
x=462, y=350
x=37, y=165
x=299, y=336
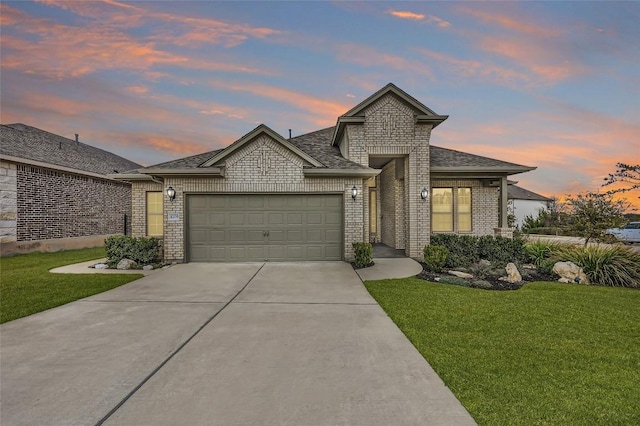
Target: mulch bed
x=499, y=285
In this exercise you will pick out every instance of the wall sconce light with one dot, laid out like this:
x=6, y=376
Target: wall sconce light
x=354, y=192
x=424, y=194
x=171, y=193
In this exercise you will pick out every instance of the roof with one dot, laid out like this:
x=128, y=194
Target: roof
x=318, y=145
x=449, y=158
x=516, y=192
x=30, y=143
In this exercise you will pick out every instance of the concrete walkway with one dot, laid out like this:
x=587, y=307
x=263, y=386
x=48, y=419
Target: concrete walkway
x=221, y=344
x=385, y=268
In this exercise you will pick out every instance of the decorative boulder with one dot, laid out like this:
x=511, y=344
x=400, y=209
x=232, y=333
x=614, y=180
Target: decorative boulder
x=569, y=272
x=125, y=264
x=460, y=274
x=101, y=266
x=147, y=267
x=513, y=275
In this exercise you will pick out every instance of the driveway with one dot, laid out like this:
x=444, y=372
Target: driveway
x=221, y=344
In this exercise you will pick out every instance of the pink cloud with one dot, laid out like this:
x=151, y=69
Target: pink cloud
x=369, y=57
x=403, y=14
x=504, y=21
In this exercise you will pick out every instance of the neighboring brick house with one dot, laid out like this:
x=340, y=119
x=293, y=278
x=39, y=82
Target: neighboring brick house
x=55, y=192
x=372, y=177
x=523, y=203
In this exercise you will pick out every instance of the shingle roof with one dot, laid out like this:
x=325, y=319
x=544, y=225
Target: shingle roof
x=30, y=143
x=515, y=192
x=318, y=145
x=443, y=157
x=193, y=161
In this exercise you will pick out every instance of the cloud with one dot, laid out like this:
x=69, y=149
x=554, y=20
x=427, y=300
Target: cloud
x=369, y=57
x=45, y=47
x=513, y=24
x=403, y=14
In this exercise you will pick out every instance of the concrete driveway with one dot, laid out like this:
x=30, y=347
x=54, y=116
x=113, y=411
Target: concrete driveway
x=221, y=344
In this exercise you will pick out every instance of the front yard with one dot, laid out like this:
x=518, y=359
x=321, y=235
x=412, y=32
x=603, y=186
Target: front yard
x=27, y=286
x=548, y=353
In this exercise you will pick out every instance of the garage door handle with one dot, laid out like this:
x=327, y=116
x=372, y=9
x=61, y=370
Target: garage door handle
x=265, y=233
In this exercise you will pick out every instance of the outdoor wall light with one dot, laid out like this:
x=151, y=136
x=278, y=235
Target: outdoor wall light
x=424, y=194
x=171, y=193
x=354, y=192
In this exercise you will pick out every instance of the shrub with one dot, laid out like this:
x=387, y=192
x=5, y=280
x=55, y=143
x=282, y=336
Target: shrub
x=140, y=250
x=540, y=252
x=435, y=257
x=612, y=266
x=363, y=253
x=482, y=269
x=465, y=250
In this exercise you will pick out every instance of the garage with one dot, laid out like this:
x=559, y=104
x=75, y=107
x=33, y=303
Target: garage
x=264, y=227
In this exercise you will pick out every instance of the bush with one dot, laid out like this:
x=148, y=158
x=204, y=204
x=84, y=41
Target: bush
x=363, y=253
x=465, y=250
x=611, y=266
x=485, y=285
x=141, y=250
x=540, y=252
x=435, y=257
x=482, y=269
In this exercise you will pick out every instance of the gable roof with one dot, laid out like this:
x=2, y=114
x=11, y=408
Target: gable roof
x=29, y=143
x=356, y=114
x=318, y=145
x=261, y=129
x=515, y=192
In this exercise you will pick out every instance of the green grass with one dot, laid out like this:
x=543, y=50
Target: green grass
x=27, y=286
x=547, y=354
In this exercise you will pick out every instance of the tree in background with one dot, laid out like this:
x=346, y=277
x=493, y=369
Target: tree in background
x=592, y=214
x=625, y=173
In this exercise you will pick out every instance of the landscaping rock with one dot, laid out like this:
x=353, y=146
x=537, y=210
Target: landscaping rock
x=460, y=274
x=484, y=263
x=100, y=266
x=513, y=275
x=569, y=272
x=125, y=264
x=147, y=267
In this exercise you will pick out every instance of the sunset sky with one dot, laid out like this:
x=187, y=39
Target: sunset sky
x=549, y=84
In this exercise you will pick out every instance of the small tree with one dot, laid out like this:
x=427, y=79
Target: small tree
x=625, y=173
x=592, y=214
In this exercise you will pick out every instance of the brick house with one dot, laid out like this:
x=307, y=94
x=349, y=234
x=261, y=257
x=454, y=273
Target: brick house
x=55, y=192
x=372, y=177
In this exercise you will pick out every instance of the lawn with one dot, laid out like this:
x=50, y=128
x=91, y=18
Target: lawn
x=547, y=354
x=27, y=286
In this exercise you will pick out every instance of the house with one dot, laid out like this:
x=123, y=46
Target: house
x=55, y=193
x=372, y=177
x=523, y=203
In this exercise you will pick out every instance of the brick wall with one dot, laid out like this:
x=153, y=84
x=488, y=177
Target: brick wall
x=54, y=204
x=390, y=130
x=262, y=166
x=484, y=204
x=8, y=202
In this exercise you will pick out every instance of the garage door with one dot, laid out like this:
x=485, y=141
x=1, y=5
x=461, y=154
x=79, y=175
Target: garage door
x=264, y=227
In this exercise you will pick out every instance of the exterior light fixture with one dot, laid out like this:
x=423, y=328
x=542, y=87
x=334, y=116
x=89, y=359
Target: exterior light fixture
x=354, y=192
x=171, y=193
x=424, y=194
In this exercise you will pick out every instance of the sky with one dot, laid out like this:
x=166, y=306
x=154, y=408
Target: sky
x=554, y=85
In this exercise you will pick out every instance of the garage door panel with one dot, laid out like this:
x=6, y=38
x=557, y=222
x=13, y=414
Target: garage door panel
x=232, y=227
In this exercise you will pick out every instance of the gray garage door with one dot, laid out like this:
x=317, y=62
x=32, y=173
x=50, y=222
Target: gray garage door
x=264, y=227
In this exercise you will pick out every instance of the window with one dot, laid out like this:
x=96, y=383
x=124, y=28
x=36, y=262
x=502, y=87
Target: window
x=464, y=209
x=442, y=210
x=154, y=214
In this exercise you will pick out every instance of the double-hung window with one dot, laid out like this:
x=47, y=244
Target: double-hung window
x=451, y=210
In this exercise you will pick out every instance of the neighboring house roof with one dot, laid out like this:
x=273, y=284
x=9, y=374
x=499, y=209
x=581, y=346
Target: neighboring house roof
x=29, y=143
x=515, y=192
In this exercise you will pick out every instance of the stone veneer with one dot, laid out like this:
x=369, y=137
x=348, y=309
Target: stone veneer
x=8, y=202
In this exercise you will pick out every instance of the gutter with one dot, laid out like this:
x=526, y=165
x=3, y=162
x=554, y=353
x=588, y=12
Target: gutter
x=55, y=167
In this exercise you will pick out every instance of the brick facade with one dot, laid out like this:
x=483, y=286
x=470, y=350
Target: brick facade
x=261, y=166
x=55, y=204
